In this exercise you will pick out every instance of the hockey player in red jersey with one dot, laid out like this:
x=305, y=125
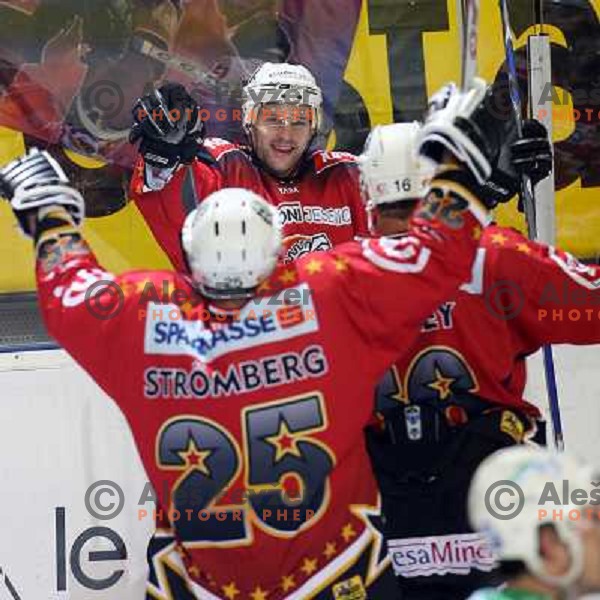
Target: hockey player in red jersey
x=247, y=388
x=457, y=394
x=316, y=192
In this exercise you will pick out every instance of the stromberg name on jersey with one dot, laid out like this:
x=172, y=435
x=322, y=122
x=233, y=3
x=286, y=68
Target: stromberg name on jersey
x=246, y=376
x=261, y=321
x=438, y=555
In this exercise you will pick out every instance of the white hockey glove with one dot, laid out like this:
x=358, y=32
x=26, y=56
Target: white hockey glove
x=39, y=190
x=440, y=99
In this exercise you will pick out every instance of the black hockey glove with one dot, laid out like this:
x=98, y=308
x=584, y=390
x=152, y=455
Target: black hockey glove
x=532, y=154
x=168, y=123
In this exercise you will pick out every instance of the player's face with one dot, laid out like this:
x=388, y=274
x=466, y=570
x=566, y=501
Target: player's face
x=281, y=135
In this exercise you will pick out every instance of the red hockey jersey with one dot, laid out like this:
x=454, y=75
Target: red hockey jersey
x=522, y=295
x=319, y=209
x=253, y=420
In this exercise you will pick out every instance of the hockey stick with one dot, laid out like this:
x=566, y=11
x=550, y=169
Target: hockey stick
x=174, y=61
x=469, y=11
x=530, y=216
x=515, y=97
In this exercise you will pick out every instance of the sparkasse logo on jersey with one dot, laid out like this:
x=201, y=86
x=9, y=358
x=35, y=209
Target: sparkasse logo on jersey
x=255, y=325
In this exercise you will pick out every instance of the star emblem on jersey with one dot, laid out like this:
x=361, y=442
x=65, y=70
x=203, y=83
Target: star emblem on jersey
x=287, y=583
x=195, y=458
x=499, y=238
x=442, y=385
x=265, y=286
x=259, y=594
x=522, y=247
x=187, y=309
x=309, y=566
x=314, y=266
x=288, y=276
x=348, y=532
x=330, y=550
x=128, y=288
x=284, y=442
x=230, y=590
x=341, y=264
x=135, y=287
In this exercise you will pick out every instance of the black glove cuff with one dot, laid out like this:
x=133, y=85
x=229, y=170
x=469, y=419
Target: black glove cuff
x=160, y=154
x=461, y=176
x=50, y=224
x=499, y=188
x=24, y=219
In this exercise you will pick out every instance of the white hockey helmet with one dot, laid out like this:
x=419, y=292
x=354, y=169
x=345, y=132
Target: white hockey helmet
x=281, y=83
x=390, y=168
x=517, y=477
x=232, y=242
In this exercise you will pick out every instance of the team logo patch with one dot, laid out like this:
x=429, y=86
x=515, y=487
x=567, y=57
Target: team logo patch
x=512, y=425
x=324, y=160
x=290, y=315
x=405, y=254
x=261, y=321
x=582, y=274
x=350, y=589
x=298, y=245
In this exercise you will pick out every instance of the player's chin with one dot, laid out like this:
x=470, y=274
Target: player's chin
x=283, y=164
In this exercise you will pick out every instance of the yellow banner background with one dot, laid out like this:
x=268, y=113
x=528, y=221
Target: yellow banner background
x=122, y=241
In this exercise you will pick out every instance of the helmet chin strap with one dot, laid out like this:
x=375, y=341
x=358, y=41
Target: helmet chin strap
x=371, y=217
x=567, y=581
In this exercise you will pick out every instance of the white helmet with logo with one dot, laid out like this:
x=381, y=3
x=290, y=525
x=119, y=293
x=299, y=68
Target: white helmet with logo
x=390, y=168
x=281, y=83
x=232, y=242
x=519, y=476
